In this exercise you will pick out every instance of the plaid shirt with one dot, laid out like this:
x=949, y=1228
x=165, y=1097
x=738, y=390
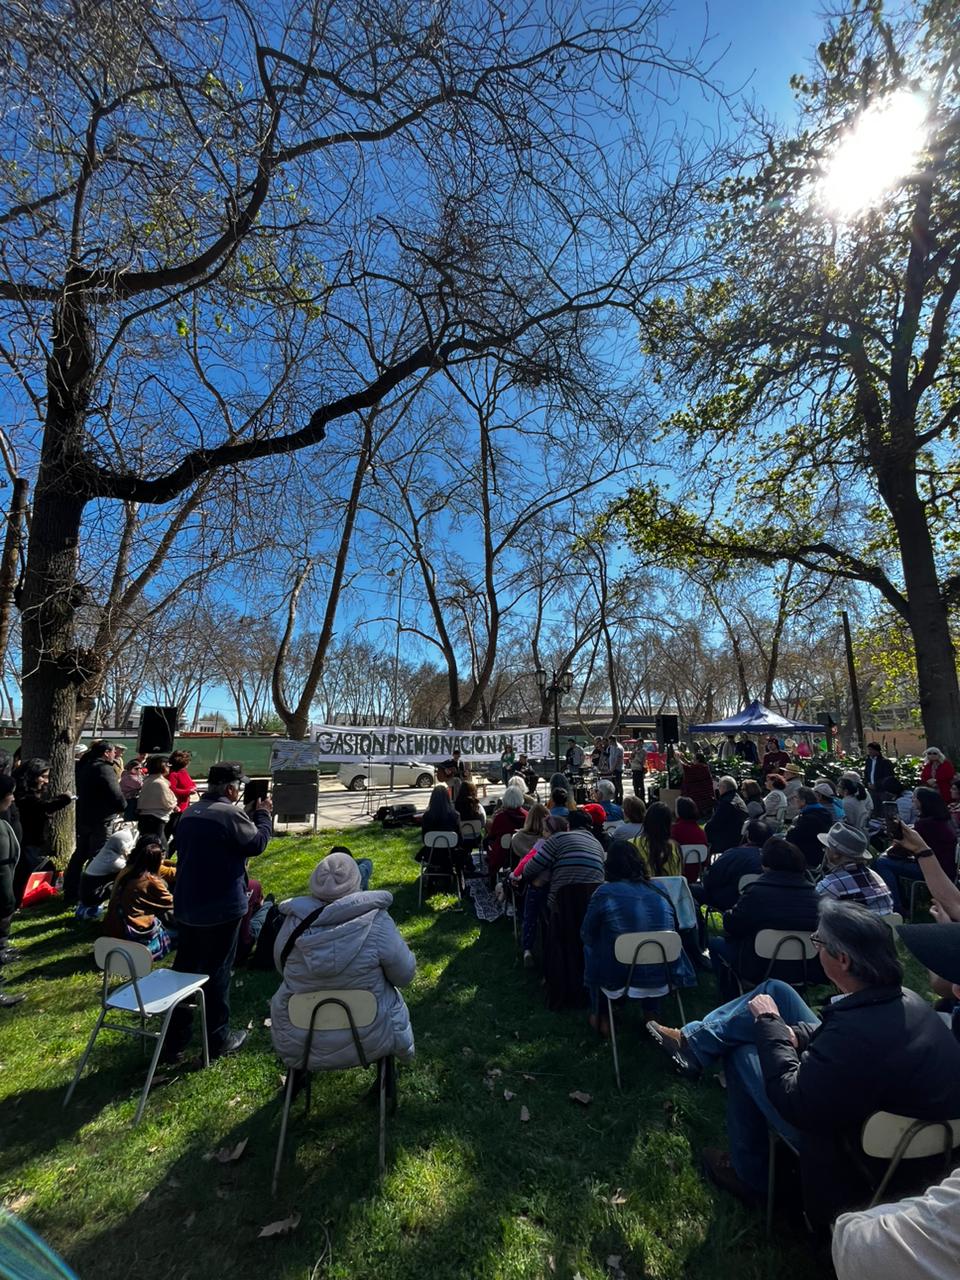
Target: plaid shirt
x=855, y=882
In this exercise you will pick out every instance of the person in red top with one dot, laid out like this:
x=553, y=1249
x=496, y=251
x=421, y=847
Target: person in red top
x=774, y=759
x=697, y=783
x=686, y=830
x=508, y=819
x=937, y=771
x=181, y=784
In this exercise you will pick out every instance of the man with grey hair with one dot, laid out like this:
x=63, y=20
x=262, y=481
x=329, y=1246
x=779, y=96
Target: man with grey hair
x=606, y=798
x=215, y=837
x=878, y=1047
x=725, y=828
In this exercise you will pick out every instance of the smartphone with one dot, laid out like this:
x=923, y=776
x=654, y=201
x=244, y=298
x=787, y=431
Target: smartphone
x=891, y=818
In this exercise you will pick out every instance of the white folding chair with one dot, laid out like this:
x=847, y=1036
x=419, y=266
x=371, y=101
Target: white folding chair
x=665, y=946
x=432, y=840
x=471, y=831
x=893, y=1138
x=746, y=880
x=775, y=945
x=149, y=993
x=695, y=855
x=336, y=1010
x=885, y=1136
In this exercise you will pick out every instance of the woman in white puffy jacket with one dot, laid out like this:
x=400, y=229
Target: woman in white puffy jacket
x=349, y=942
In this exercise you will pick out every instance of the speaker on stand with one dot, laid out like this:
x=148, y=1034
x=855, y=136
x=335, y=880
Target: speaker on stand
x=158, y=728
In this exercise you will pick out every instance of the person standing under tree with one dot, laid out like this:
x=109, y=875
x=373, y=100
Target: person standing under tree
x=638, y=770
x=507, y=761
x=215, y=837
x=615, y=767
x=99, y=803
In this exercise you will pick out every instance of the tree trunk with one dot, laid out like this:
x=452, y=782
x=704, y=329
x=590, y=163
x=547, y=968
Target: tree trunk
x=53, y=668
x=10, y=560
x=937, y=686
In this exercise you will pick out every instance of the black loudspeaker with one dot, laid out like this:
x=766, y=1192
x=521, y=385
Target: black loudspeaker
x=668, y=729
x=827, y=720
x=158, y=728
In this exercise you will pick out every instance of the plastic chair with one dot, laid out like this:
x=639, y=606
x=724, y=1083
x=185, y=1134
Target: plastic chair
x=891, y=1137
x=885, y=1136
x=666, y=945
x=448, y=840
x=785, y=945
x=149, y=993
x=746, y=880
x=338, y=1010
x=912, y=887
x=471, y=831
x=695, y=854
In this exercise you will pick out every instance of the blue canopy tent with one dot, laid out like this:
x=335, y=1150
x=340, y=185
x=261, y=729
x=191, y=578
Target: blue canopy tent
x=756, y=719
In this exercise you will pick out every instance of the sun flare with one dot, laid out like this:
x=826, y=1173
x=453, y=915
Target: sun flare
x=880, y=149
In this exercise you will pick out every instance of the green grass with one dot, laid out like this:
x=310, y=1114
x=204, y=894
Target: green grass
x=470, y=1191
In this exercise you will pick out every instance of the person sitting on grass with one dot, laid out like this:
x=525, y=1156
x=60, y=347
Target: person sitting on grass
x=141, y=904
x=687, y=830
x=783, y=898
x=339, y=936
x=627, y=903
x=100, y=872
x=846, y=874
x=878, y=1047
x=659, y=854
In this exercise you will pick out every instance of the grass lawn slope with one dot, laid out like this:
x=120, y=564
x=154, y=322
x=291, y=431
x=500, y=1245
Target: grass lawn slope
x=472, y=1191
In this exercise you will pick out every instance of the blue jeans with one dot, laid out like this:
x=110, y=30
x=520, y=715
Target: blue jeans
x=727, y=1035
x=890, y=868
x=365, y=867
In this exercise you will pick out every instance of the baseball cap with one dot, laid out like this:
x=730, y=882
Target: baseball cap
x=226, y=771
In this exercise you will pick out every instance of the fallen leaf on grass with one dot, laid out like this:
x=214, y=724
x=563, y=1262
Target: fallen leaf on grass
x=524, y=1115
x=526, y=1077
x=551, y=1262
x=234, y=1102
x=267, y=1022
x=579, y=1096
x=250, y=1025
x=227, y=1155
x=282, y=1227
x=152, y=1150
x=618, y=1197
x=191, y=1219
x=508, y=1096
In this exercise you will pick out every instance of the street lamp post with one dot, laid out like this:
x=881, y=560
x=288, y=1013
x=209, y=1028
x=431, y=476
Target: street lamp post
x=560, y=682
x=396, y=661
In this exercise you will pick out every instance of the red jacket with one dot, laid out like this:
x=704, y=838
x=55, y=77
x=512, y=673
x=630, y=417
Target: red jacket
x=698, y=785
x=686, y=831
x=182, y=786
x=941, y=779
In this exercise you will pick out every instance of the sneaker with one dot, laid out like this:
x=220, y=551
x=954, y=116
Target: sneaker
x=671, y=1042
x=7, y=1002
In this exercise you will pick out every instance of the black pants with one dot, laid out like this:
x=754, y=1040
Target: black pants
x=148, y=824
x=91, y=838
x=639, y=776
x=8, y=900
x=206, y=949
x=616, y=777
x=95, y=889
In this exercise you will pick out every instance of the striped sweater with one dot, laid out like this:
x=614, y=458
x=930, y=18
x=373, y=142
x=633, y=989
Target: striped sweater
x=569, y=857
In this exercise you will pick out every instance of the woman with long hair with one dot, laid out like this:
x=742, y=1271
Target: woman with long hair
x=857, y=806
x=440, y=815
x=752, y=794
x=467, y=803
x=534, y=828
x=141, y=905
x=156, y=802
x=627, y=903
x=661, y=855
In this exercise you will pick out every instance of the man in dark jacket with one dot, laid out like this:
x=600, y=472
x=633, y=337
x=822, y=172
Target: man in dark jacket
x=725, y=827
x=877, y=770
x=214, y=840
x=99, y=802
x=783, y=898
x=812, y=821
x=720, y=887
x=877, y=1048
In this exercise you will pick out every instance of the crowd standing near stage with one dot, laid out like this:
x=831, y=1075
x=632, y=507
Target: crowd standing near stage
x=747, y=841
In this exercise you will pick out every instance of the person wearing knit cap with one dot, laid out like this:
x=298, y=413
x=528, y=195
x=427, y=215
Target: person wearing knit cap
x=340, y=936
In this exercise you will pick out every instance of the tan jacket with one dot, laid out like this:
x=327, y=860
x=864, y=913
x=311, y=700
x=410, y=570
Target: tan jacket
x=156, y=799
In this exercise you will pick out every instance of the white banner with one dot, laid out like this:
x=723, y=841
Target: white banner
x=336, y=744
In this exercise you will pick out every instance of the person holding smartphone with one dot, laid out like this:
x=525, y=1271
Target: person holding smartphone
x=934, y=827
